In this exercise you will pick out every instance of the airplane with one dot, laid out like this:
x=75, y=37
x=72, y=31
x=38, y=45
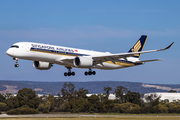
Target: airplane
x=45, y=55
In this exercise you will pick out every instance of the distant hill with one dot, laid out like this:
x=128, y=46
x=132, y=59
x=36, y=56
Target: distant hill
x=93, y=87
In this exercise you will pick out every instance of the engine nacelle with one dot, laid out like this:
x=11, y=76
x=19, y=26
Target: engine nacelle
x=83, y=62
x=42, y=65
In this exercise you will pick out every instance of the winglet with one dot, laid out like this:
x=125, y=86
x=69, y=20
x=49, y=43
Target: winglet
x=167, y=47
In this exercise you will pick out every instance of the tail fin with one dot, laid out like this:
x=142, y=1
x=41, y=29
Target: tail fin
x=138, y=47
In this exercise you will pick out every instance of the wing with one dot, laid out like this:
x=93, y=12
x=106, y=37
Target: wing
x=67, y=61
x=112, y=57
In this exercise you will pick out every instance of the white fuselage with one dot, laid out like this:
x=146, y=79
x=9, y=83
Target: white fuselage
x=59, y=55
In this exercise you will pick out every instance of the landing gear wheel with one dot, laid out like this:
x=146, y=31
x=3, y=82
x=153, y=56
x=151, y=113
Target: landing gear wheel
x=73, y=73
x=16, y=65
x=86, y=73
x=90, y=73
x=65, y=74
x=94, y=72
x=69, y=73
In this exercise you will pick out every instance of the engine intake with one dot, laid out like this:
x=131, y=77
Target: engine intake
x=83, y=62
x=42, y=65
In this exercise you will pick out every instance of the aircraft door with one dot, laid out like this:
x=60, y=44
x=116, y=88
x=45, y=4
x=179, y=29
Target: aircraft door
x=27, y=47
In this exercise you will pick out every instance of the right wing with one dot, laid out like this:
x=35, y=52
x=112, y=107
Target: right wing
x=112, y=57
x=99, y=59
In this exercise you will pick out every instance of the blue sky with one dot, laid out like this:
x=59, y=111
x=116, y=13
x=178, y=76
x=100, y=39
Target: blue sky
x=102, y=25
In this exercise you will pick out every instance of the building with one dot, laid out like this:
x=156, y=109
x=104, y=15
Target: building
x=169, y=96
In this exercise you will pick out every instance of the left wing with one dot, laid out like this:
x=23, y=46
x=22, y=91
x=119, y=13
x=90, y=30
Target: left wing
x=66, y=60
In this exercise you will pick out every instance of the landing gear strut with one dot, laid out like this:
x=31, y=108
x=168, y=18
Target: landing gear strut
x=90, y=72
x=16, y=61
x=69, y=73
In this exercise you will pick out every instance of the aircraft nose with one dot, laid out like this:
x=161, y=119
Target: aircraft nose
x=9, y=52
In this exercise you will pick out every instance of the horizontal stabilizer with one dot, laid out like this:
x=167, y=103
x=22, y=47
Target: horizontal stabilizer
x=148, y=61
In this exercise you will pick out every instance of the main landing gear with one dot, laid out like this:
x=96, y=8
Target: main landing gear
x=90, y=72
x=16, y=61
x=69, y=73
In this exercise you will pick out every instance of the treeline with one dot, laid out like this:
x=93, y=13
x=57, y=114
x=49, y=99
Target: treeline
x=75, y=101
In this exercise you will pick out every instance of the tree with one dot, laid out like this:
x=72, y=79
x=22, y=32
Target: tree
x=82, y=105
x=45, y=106
x=101, y=97
x=68, y=91
x=82, y=93
x=3, y=106
x=153, y=99
x=46, y=103
x=22, y=110
x=2, y=98
x=8, y=95
x=93, y=103
x=107, y=89
x=108, y=105
x=58, y=104
x=120, y=92
x=12, y=102
x=51, y=98
x=28, y=97
x=74, y=106
x=127, y=108
x=133, y=97
x=160, y=108
x=43, y=99
x=165, y=101
x=174, y=107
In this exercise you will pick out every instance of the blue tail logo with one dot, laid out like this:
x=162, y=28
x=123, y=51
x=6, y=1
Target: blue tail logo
x=138, y=47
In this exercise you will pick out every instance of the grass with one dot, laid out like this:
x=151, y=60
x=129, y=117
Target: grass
x=145, y=114
x=149, y=114
x=99, y=118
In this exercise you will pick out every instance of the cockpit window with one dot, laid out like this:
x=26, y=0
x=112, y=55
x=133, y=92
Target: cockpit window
x=14, y=46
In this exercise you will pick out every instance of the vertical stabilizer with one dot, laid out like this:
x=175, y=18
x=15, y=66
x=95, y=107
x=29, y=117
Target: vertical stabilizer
x=138, y=47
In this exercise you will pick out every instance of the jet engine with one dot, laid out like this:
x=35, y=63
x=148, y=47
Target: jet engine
x=83, y=62
x=42, y=65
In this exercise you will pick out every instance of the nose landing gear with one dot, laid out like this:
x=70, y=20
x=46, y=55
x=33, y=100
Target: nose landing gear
x=16, y=61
